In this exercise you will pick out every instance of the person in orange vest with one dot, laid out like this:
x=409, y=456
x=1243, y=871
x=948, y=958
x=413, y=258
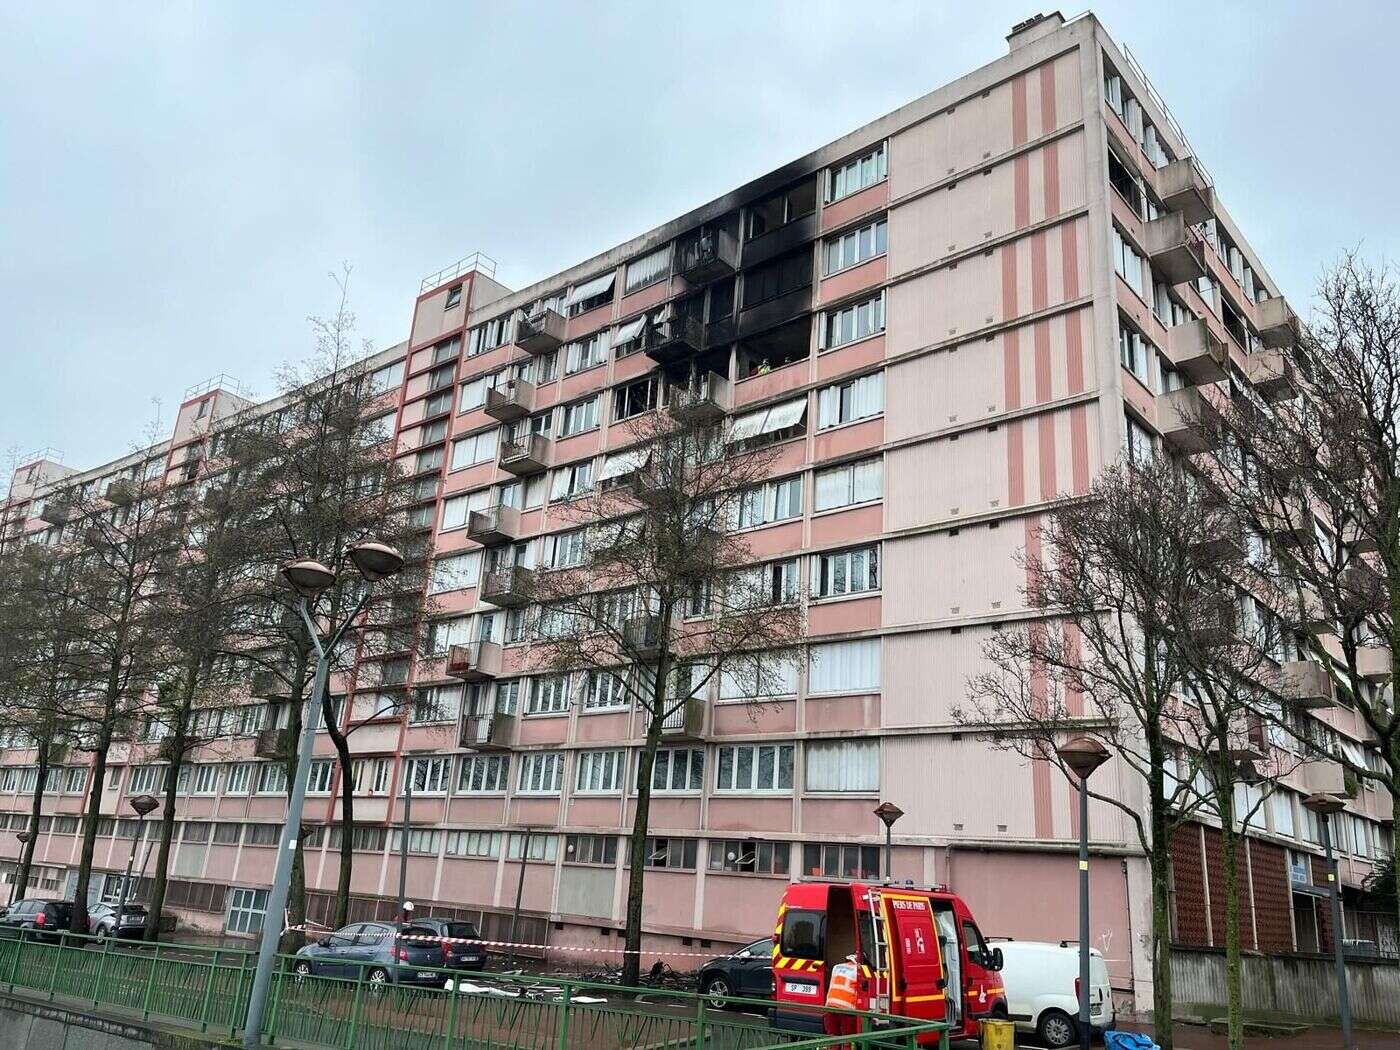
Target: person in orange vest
x=841, y=995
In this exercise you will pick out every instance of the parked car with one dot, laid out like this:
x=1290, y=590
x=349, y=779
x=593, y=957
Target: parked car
x=103, y=922
x=464, y=948
x=747, y=973
x=387, y=953
x=1042, y=989
x=43, y=915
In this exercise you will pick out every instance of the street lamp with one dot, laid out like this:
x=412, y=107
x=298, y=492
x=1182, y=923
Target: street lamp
x=143, y=806
x=23, y=837
x=1325, y=806
x=374, y=561
x=1083, y=755
x=888, y=813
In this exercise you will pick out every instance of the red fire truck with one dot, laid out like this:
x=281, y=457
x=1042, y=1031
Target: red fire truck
x=919, y=952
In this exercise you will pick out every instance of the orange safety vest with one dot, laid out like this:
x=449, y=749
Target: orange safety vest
x=842, y=990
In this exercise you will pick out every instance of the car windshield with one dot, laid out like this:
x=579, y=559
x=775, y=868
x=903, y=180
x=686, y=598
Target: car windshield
x=418, y=931
x=461, y=930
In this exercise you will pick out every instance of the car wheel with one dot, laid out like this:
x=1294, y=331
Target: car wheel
x=1057, y=1029
x=378, y=978
x=716, y=987
x=302, y=970
x=102, y=933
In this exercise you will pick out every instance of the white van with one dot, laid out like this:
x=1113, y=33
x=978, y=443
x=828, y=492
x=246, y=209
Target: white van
x=1042, y=989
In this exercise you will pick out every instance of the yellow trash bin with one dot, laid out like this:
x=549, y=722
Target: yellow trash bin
x=998, y=1035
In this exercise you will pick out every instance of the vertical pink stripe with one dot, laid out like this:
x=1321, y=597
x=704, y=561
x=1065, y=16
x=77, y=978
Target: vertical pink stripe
x=1021, y=173
x=1047, y=98
x=1074, y=351
x=1069, y=259
x=1008, y=282
x=1040, y=280
x=1015, y=464
x=1011, y=368
x=1041, y=334
x=1079, y=448
x=1018, y=110
x=1052, y=179
x=1045, y=429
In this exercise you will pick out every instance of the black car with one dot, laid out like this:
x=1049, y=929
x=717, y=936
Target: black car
x=747, y=973
x=464, y=948
x=44, y=916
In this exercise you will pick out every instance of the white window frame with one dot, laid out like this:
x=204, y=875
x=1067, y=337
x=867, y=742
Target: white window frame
x=855, y=570
x=849, y=485
x=729, y=758
x=851, y=401
x=599, y=772
x=540, y=773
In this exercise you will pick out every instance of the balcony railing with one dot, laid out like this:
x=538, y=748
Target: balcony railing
x=487, y=732
x=705, y=401
x=1373, y=663
x=58, y=512
x=527, y=456
x=1278, y=324
x=1189, y=420
x=493, y=525
x=1273, y=375
x=273, y=743
x=508, y=587
x=539, y=333
x=268, y=684
x=1174, y=248
x=1196, y=353
x=475, y=661
x=641, y=636
x=674, y=339
x=510, y=401
x=1184, y=188
x=686, y=722
x=1307, y=684
x=708, y=257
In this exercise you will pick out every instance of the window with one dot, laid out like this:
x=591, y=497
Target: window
x=604, y=690
x=454, y=296
x=844, y=179
x=455, y=572
x=752, y=856
x=246, y=910
x=767, y=425
x=853, y=322
x=371, y=775
x=591, y=294
x=848, y=484
x=781, y=208
x=1133, y=351
x=196, y=831
x=770, y=502
x=758, y=676
x=1168, y=307
x=564, y=550
x=590, y=849
x=272, y=779
x=420, y=840
x=648, y=269
x=1129, y=265
x=671, y=853
x=1138, y=441
x=447, y=350
x=855, y=247
x=473, y=844
x=456, y=510
x=843, y=765
x=75, y=779
x=475, y=448
x=541, y=847
x=845, y=667
x=752, y=768
x=482, y=773
x=494, y=333
x=429, y=775
x=386, y=378
x=634, y=398
x=783, y=275
x=549, y=694
x=541, y=773
x=599, y=772
x=472, y=393
x=507, y=697
x=428, y=459
x=678, y=769
x=846, y=572
x=854, y=399
x=586, y=353
x=443, y=634
x=841, y=861
x=439, y=703
x=579, y=416
x=240, y=778
x=570, y=481
x=206, y=778
x=1282, y=804
x=228, y=834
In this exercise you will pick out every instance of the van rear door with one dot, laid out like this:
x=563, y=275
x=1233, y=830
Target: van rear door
x=916, y=966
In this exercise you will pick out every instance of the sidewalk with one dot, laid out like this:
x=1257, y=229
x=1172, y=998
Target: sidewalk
x=1199, y=1037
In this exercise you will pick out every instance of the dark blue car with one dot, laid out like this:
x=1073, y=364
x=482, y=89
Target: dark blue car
x=464, y=948
x=386, y=952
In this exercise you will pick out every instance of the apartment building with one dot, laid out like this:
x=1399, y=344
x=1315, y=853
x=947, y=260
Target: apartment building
x=946, y=321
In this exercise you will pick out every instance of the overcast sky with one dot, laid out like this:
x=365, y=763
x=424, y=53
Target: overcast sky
x=177, y=179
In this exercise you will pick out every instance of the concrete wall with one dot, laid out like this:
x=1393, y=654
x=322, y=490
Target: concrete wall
x=29, y=1026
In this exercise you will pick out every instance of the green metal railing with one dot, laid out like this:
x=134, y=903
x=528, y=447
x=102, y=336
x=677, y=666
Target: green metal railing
x=206, y=989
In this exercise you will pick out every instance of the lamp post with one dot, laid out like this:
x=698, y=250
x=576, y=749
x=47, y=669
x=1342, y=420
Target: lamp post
x=23, y=837
x=143, y=806
x=405, y=905
x=374, y=561
x=888, y=813
x=1325, y=806
x=1083, y=755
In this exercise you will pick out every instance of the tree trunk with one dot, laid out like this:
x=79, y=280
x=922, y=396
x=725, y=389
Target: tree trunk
x=156, y=904
x=341, y=915
x=1234, y=999
x=1159, y=862
x=26, y=856
x=79, y=920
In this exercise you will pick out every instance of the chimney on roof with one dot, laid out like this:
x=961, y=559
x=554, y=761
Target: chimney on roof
x=1033, y=28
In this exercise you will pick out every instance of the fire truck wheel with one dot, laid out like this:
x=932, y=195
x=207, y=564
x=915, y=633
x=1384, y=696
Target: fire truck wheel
x=1057, y=1029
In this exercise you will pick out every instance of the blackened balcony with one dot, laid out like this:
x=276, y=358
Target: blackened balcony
x=529, y=455
x=1196, y=353
x=539, y=333
x=1183, y=187
x=508, y=587
x=493, y=525
x=708, y=257
x=474, y=662
x=1174, y=248
x=510, y=401
x=487, y=732
x=1273, y=374
x=1278, y=324
x=673, y=340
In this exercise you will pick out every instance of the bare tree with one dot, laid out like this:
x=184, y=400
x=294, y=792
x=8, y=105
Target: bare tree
x=650, y=594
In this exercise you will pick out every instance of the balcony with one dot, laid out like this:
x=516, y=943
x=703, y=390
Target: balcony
x=268, y=684
x=510, y=401
x=1307, y=684
x=1290, y=523
x=686, y=722
x=539, y=333
x=1373, y=663
x=641, y=637
x=1174, y=248
x=1196, y=353
x=121, y=492
x=710, y=256
x=1311, y=617
x=1278, y=324
x=1216, y=623
x=530, y=455
x=1273, y=375
x=703, y=401
x=1183, y=188
x=487, y=732
x=508, y=588
x=1221, y=538
x=673, y=340
x=1189, y=420
x=493, y=525
x=273, y=743
x=58, y=512
x=474, y=662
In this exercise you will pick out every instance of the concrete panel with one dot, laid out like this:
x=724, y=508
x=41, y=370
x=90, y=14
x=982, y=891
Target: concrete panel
x=746, y=904
x=585, y=890
x=926, y=674
x=974, y=572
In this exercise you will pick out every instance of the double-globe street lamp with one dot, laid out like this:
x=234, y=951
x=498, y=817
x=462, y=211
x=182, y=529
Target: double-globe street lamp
x=1083, y=755
x=375, y=562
